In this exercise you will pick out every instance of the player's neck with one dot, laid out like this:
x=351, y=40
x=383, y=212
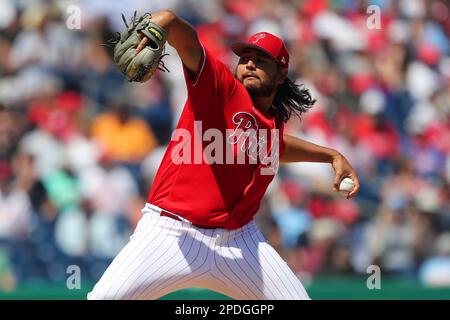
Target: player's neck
x=264, y=103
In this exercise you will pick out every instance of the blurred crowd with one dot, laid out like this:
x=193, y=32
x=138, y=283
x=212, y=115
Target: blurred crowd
x=80, y=146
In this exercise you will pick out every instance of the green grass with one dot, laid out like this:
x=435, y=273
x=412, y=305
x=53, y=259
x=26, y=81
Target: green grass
x=330, y=288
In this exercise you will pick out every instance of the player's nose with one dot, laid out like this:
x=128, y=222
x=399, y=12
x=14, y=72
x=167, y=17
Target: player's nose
x=250, y=65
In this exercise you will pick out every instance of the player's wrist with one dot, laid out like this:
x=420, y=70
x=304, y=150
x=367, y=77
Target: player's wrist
x=164, y=19
x=333, y=155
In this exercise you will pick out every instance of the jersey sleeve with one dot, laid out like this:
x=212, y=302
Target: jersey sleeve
x=213, y=85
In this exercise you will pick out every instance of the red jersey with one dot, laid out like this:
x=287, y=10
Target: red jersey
x=219, y=194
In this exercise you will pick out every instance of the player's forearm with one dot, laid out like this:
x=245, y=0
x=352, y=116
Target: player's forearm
x=181, y=35
x=173, y=25
x=299, y=150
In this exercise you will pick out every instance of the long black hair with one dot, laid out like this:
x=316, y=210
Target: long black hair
x=291, y=99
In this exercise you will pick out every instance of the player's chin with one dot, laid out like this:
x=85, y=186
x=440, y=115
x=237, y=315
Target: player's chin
x=251, y=86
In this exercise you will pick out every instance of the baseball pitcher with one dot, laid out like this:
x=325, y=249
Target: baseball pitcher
x=197, y=228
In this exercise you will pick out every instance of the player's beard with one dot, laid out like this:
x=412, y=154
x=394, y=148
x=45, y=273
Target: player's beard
x=264, y=90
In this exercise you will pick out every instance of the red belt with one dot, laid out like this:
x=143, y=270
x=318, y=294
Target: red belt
x=171, y=215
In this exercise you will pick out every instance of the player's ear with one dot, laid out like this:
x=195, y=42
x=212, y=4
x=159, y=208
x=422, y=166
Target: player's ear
x=282, y=75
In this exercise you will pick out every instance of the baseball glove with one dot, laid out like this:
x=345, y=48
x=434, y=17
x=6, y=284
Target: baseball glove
x=139, y=67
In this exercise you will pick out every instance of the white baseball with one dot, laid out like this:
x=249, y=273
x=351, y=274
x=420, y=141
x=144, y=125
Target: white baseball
x=346, y=185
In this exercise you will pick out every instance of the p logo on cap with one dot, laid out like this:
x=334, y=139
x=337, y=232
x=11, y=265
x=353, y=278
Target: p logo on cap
x=258, y=37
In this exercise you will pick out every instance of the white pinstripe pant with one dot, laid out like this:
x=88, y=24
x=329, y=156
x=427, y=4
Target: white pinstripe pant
x=166, y=255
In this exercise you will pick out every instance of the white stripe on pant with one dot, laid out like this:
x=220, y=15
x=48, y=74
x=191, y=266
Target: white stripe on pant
x=166, y=255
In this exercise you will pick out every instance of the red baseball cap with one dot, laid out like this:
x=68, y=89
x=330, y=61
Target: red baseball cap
x=268, y=43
